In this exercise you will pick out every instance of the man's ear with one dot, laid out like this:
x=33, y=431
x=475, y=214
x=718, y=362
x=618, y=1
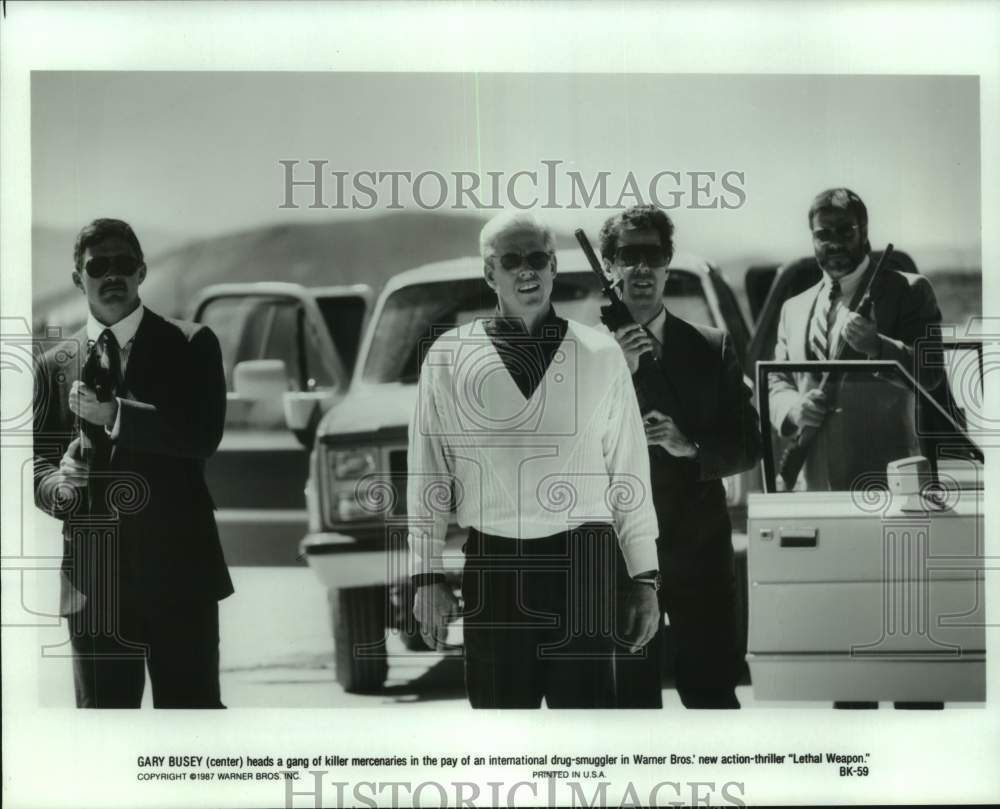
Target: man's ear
x=78, y=282
x=555, y=264
x=488, y=275
x=142, y=272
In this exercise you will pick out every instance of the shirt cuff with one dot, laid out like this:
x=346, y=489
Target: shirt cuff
x=115, y=428
x=641, y=556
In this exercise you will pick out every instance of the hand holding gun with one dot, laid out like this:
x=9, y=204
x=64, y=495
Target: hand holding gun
x=96, y=375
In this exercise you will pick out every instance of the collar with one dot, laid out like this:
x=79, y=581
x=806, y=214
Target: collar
x=849, y=283
x=657, y=326
x=124, y=330
x=503, y=326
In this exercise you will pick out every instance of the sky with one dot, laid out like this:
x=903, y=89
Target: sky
x=191, y=155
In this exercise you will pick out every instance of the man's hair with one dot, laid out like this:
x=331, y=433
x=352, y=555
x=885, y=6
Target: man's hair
x=638, y=217
x=517, y=222
x=100, y=230
x=840, y=199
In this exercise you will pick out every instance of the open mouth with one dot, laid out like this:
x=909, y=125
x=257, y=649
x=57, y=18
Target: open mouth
x=642, y=284
x=528, y=288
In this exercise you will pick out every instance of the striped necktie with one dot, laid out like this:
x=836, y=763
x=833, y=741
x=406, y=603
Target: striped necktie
x=819, y=326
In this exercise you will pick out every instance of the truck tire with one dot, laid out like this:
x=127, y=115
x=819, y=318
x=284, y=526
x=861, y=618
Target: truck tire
x=358, y=617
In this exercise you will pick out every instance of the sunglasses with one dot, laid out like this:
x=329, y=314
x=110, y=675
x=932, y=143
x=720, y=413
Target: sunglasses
x=99, y=266
x=537, y=260
x=632, y=255
x=841, y=233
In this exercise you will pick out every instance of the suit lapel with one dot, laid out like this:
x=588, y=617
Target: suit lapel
x=140, y=358
x=799, y=339
x=675, y=362
x=69, y=370
x=675, y=348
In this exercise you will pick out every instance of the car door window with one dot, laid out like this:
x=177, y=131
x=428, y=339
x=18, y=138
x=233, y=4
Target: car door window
x=257, y=327
x=875, y=414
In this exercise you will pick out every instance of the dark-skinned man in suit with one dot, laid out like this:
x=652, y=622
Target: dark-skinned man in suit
x=873, y=422
x=127, y=412
x=713, y=433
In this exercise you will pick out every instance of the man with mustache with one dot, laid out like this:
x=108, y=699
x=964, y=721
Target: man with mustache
x=127, y=412
x=873, y=422
x=711, y=432
x=529, y=425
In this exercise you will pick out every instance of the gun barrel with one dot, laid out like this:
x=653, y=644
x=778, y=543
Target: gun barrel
x=588, y=251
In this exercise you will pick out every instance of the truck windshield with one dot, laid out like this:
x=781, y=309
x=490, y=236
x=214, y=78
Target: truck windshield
x=414, y=313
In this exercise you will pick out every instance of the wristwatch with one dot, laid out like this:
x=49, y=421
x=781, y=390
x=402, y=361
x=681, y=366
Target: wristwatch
x=654, y=580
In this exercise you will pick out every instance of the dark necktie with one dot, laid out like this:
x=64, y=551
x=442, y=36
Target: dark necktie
x=657, y=345
x=107, y=366
x=819, y=326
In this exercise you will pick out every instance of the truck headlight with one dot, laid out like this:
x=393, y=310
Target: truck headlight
x=352, y=489
x=347, y=507
x=351, y=464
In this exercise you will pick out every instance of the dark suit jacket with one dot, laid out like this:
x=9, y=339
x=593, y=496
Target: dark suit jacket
x=875, y=424
x=714, y=410
x=158, y=505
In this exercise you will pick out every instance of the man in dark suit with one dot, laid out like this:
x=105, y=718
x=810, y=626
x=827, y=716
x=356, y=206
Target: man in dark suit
x=127, y=411
x=713, y=432
x=873, y=421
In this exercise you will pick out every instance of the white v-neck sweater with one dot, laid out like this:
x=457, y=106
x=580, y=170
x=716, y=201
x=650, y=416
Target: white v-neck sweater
x=574, y=452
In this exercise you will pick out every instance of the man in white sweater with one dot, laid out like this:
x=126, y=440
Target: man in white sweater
x=527, y=425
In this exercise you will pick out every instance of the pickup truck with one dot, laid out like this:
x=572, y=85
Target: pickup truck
x=288, y=353
x=356, y=493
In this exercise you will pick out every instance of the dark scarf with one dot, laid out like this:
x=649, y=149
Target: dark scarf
x=526, y=356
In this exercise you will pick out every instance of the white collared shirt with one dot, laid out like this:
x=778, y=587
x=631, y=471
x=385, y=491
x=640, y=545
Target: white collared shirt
x=658, y=324
x=124, y=331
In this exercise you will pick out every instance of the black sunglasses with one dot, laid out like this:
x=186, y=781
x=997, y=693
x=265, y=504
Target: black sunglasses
x=631, y=255
x=841, y=233
x=537, y=260
x=99, y=266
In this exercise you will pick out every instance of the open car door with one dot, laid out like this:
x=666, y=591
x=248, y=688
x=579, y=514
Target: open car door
x=288, y=353
x=866, y=574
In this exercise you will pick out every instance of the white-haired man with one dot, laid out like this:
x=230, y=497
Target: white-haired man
x=531, y=422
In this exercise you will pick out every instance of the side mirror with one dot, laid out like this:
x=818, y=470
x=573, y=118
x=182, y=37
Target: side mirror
x=303, y=411
x=911, y=485
x=260, y=379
